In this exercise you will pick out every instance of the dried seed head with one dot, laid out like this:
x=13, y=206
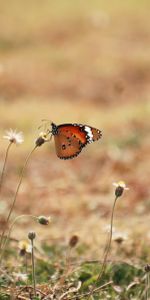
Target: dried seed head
x=20, y=276
x=24, y=247
x=73, y=240
x=44, y=220
x=31, y=235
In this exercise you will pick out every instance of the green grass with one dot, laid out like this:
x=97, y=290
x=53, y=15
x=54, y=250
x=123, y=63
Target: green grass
x=128, y=279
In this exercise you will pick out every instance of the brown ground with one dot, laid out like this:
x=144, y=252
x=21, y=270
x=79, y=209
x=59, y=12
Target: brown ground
x=78, y=63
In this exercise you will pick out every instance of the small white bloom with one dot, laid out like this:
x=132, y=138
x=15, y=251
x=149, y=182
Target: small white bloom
x=120, y=187
x=24, y=245
x=119, y=236
x=108, y=227
x=121, y=184
x=14, y=137
x=29, y=249
x=42, y=138
x=20, y=276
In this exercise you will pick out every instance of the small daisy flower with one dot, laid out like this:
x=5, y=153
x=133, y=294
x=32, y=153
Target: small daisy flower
x=107, y=228
x=120, y=187
x=24, y=247
x=119, y=236
x=20, y=276
x=14, y=137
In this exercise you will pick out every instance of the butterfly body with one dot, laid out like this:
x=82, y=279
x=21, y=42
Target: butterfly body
x=70, y=139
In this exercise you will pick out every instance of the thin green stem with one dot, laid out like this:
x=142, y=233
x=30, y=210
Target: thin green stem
x=4, y=165
x=16, y=193
x=9, y=232
x=106, y=250
x=33, y=268
x=147, y=286
x=26, y=266
x=109, y=242
x=67, y=266
x=148, y=282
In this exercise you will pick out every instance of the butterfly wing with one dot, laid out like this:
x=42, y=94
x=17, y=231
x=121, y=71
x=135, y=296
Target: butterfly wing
x=92, y=134
x=68, y=141
x=71, y=138
x=97, y=134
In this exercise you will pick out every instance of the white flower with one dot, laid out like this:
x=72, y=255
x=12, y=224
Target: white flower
x=25, y=246
x=14, y=137
x=119, y=236
x=120, y=184
x=20, y=276
x=120, y=187
x=108, y=227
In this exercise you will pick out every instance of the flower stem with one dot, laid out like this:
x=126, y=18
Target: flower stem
x=16, y=193
x=9, y=232
x=109, y=242
x=33, y=267
x=147, y=286
x=67, y=266
x=4, y=165
x=106, y=250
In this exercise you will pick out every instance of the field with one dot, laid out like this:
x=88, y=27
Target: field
x=82, y=62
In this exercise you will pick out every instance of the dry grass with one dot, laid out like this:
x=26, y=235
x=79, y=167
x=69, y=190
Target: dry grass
x=85, y=62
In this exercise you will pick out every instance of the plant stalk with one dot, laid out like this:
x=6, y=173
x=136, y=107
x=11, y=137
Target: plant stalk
x=16, y=193
x=107, y=249
x=33, y=268
x=4, y=165
x=9, y=232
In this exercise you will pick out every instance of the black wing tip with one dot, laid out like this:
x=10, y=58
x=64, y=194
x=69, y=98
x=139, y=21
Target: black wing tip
x=100, y=134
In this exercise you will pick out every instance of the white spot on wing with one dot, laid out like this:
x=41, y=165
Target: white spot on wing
x=89, y=134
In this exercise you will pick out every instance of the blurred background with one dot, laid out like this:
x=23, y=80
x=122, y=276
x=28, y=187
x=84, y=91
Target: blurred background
x=87, y=62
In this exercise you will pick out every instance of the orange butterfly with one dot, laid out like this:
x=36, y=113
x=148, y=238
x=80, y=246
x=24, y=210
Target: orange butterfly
x=70, y=139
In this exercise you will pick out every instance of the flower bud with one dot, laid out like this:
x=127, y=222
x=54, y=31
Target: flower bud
x=147, y=268
x=31, y=235
x=41, y=139
x=44, y=220
x=73, y=240
x=119, y=191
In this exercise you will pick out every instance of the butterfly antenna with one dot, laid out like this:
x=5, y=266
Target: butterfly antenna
x=40, y=127
x=47, y=120
x=45, y=125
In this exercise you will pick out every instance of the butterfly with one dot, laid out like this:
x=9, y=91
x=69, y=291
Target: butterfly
x=70, y=139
